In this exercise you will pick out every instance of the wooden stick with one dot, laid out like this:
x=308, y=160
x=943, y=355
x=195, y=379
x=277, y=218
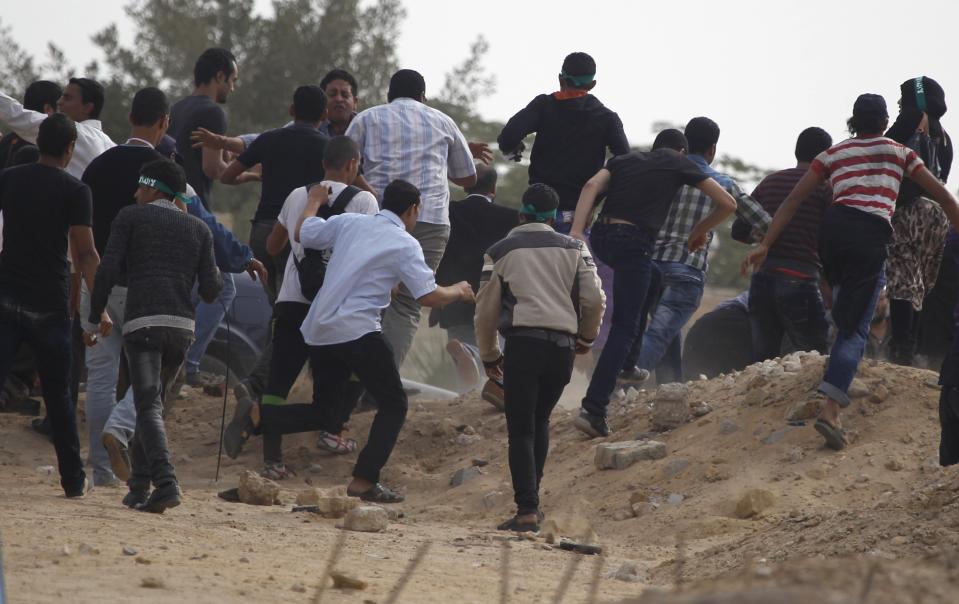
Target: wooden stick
x=410, y=568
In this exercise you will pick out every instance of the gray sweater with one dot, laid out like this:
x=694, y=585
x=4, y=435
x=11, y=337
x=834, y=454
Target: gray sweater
x=159, y=252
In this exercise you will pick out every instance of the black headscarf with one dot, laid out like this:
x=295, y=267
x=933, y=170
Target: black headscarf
x=923, y=95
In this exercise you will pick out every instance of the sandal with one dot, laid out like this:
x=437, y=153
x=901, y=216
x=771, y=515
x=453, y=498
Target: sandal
x=835, y=437
x=514, y=524
x=277, y=471
x=378, y=494
x=334, y=443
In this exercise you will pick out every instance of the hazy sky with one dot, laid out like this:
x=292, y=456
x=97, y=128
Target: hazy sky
x=763, y=69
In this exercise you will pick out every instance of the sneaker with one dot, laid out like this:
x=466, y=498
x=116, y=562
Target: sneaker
x=136, y=498
x=335, y=443
x=119, y=456
x=241, y=425
x=493, y=394
x=161, y=499
x=592, y=425
x=634, y=375
x=199, y=379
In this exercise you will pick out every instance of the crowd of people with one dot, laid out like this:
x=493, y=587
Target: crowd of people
x=111, y=257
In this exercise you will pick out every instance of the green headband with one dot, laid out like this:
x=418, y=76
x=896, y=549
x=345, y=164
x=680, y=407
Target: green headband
x=920, y=94
x=578, y=80
x=530, y=210
x=162, y=187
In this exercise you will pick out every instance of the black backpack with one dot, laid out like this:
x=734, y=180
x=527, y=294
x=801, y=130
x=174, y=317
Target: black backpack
x=312, y=268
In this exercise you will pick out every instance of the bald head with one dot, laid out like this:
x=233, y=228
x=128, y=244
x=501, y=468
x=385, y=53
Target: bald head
x=485, y=181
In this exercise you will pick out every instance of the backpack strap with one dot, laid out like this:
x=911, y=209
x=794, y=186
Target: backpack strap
x=344, y=199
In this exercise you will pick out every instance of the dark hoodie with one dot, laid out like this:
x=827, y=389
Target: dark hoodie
x=904, y=129
x=572, y=135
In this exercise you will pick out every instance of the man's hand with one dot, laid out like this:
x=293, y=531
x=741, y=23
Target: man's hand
x=495, y=372
x=248, y=176
x=320, y=196
x=256, y=269
x=465, y=291
x=201, y=137
x=90, y=338
x=106, y=324
x=582, y=348
x=482, y=152
x=754, y=259
x=697, y=240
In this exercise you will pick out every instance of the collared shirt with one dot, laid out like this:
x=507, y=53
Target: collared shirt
x=692, y=205
x=409, y=140
x=371, y=255
x=91, y=140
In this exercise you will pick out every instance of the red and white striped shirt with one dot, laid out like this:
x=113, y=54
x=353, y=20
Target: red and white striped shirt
x=865, y=173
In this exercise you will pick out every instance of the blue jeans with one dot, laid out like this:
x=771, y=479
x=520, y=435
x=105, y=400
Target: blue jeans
x=626, y=249
x=850, y=344
x=208, y=317
x=682, y=292
x=780, y=305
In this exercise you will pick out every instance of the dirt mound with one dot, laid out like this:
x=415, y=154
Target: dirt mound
x=880, y=516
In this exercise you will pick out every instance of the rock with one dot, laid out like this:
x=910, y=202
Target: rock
x=330, y=503
x=715, y=474
x=256, y=490
x=129, y=551
x=298, y=588
x=467, y=429
x=495, y=499
x=342, y=581
x=675, y=499
x=728, y=426
x=857, y=389
x=894, y=464
x=624, y=454
x=729, y=381
x=899, y=540
x=315, y=468
x=142, y=560
x=631, y=394
x=802, y=410
x=700, y=408
x=675, y=467
x=152, y=583
x=703, y=378
x=669, y=414
x=87, y=549
x=65, y=550
x=620, y=515
x=465, y=440
x=676, y=391
x=795, y=455
x=463, y=475
x=480, y=462
x=367, y=519
x=879, y=394
x=627, y=572
x=792, y=366
x=754, y=502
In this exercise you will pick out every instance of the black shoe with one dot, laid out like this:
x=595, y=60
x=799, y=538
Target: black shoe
x=162, y=498
x=78, y=491
x=634, y=375
x=135, y=499
x=593, y=425
x=241, y=426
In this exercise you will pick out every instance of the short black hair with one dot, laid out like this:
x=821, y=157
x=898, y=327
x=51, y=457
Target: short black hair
x=702, y=133
x=542, y=197
x=811, y=142
x=90, y=92
x=168, y=172
x=309, y=103
x=578, y=64
x=485, y=180
x=406, y=83
x=149, y=106
x=671, y=138
x=55, y=135
x=212, y=62
x=339, y=74
x=399, y=196
x=338, y=151
x=41, y=93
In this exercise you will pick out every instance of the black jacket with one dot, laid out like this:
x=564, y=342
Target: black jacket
x=572, y=137
x=475, y=225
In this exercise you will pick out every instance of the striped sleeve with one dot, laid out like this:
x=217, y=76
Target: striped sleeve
x=913, y=162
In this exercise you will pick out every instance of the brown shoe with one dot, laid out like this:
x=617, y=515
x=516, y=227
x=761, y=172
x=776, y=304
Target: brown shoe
x=493, y=394
x=119, y=456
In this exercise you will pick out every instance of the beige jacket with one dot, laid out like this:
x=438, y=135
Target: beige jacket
x=537, y=278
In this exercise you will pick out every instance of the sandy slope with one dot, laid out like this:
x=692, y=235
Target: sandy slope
x=879, y=518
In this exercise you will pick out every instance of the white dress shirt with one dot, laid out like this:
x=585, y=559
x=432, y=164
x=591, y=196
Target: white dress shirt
x=91, y=140
x=371, y=255
x=362, y=203
x=411, y=141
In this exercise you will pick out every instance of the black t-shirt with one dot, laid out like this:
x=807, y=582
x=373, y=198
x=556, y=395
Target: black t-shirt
x=9, y=145
x=112, y=177
x=290, y=157
x=188, y=114
x=643, y=185
x=39, y=205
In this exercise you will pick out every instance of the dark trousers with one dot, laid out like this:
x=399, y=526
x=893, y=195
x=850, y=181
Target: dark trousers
x=904, y=324
x=626, y=249
x=154, y=357
x=949, y=425
x=371, y=359
x=783, y=306
x=48, y=333
x=670, y=367
x=259, y=232
x=535, y=372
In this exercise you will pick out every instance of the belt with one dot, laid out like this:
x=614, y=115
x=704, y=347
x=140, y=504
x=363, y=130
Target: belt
x=549, y=335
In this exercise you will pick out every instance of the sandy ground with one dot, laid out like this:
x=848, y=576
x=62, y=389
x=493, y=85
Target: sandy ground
x=878, y=522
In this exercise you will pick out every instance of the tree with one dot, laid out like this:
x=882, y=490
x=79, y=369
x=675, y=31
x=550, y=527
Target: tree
x=17, y=68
